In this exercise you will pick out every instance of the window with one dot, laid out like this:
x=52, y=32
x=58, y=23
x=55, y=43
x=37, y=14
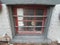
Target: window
x=29, y=20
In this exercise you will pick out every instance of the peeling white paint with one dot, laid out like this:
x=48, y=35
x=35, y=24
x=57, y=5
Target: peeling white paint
x=5, y=22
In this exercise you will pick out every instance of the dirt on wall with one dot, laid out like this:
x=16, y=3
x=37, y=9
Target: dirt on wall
x=52, y=43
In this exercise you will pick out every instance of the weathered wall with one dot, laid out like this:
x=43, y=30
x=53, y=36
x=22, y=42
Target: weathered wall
x=44, y=2
x=5, y=22
x=53, y=32
x=54, y=28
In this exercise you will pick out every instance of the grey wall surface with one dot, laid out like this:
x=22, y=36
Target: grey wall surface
x=49, y=15
x=11, y=21
x=44, y=2
x=54, y=28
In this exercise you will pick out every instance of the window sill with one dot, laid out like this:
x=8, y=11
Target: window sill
x=30, y=32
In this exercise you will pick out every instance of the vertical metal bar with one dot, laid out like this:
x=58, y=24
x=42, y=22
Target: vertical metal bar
x=16, y=22
x=43, y=22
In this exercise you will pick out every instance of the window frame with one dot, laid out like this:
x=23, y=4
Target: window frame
x=30, y=6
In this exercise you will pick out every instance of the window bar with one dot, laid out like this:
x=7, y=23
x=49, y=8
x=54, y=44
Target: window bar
x=34, y=19
x=26, y=22
x=30, y=26
x=30, y=20
x=29, y=16
x=43, y=20
x=16, y=23
x=43, y=25
x=24, y=19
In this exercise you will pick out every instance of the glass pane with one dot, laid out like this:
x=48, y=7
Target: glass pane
x=28, y=12
x=29, y=24
x=30, y=28
x=38, y=28
x=28, y=18
x=39, y=12
x=20, y=23
x=21, y=28
x=39, y=18
x=20, y=18
x=38, y=23
x=24, y=23
x=25, y=26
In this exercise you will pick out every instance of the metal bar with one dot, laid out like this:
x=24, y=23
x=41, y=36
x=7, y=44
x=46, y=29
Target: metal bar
x=30, y=26
x=30, y=20
x=28, y=16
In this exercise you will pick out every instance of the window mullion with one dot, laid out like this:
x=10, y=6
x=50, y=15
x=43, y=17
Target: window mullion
x=26, y=21
x=43, y=21
x=34, y=18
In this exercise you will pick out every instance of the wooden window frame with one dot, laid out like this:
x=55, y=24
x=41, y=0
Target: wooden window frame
x=30, y=6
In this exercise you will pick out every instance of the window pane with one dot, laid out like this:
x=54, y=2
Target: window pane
x=28, y=12
x=30, y=28
x=26, y=28
x=29, y=24
x=39, y=12
x=38, y=28
x=28, y=18
x=38, y=23
x=20, y=18
x=20, y=23
x=39, y=18
x=21, y=28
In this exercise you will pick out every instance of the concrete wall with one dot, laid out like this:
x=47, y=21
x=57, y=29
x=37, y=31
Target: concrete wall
x=44, y=2
x=54, y=28
x=5, y=22
x=53, y=32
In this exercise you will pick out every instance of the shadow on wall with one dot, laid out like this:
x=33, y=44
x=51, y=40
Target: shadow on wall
x=54, y=29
